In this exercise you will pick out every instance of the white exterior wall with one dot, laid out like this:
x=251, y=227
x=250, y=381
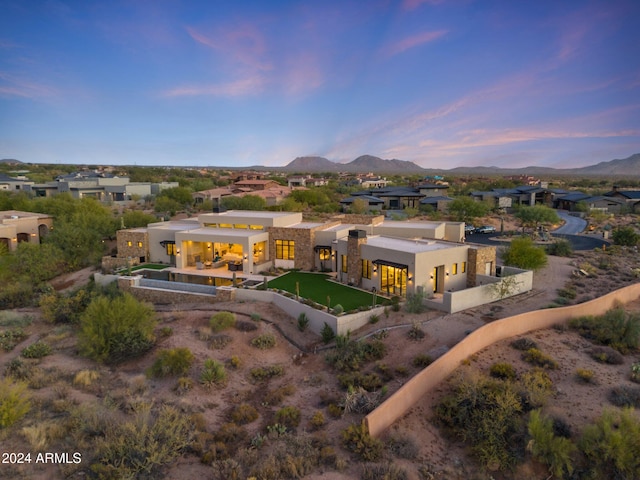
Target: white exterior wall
x=141, y=189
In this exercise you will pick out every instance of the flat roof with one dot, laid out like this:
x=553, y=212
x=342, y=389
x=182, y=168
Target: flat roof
x=306, y=225
x=397, y=224
x=249, y=214
x=175, y=225
x=226, y=232
x=411, y=246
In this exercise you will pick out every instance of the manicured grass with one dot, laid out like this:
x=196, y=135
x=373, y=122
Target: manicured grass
x=317, y=286
x=150, y=266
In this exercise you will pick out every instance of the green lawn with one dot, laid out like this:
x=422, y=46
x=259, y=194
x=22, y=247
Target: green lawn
x=317, y=286
x=150, y=266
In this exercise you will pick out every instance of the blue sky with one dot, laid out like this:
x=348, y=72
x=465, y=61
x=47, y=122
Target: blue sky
x=442, y=83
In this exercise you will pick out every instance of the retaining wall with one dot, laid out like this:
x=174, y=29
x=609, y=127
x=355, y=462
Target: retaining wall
x=166, y=296
x=412, y=392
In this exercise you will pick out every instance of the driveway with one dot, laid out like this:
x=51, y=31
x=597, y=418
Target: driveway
x=573, y=225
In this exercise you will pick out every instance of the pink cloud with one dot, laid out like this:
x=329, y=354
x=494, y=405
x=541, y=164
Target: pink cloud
x=412, y=42
x=11, y=86
x=242, y=87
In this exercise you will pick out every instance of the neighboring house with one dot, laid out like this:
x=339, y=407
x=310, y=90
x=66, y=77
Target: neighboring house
x=211, y=194
x=17, y=227
x=375, y=182
x=495, y=199
x=373, y=203
x=306, y=181
x=602, y=203
x=439, y=203
x=391, y=257
x=14, y=184
x=630, y=197
x=257, y=184
x=433, y=189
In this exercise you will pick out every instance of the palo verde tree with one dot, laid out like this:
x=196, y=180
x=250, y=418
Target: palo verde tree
x=523, y=253
x=465, y=209
x=114, y=329
x=535, y=216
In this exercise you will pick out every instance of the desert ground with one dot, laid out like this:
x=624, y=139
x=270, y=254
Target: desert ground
x=315, y=385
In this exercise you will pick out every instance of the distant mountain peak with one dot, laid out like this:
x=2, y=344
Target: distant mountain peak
x=364, y=163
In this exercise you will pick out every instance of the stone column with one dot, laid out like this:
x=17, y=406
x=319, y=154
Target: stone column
x=354, y=264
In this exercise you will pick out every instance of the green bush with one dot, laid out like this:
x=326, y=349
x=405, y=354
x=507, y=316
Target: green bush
x=523, y=344
x=523, y=253
x=327, y=333
x=303, y=322
x=36, y=350
x=611, y=445
x=554, y=451
x=416, y=332
x=277, y=395
x=264, y=341
x=536, y=388
x=539, y=359
x=357, y=440
x=264, y=373
x=220, y=341
x=349, y=355
x=288, y=416
x=504, y=371
x=560, y=248
x=422, y=361
x=14, y=402
x=116, y=329
x=415, y=302
x=625, y=236
x=175, y=361
x=373, y=319
x=606, y=355
x=338, y=309
x=10, y=338
x=369, y=381
x=244, y=414
x=585, y=375
x=317, y=420
x=616, y=328
x=222, y=320
x=213, y=373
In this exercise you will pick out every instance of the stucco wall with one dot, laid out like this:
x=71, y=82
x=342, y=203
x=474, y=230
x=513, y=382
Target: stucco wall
x=412, y=392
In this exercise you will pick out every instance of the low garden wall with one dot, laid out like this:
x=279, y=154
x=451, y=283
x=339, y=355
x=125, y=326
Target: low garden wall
x=171, y=296
x=415, y=389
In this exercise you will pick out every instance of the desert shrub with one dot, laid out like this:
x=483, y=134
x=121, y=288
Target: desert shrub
x=635, y=372
x=338, y=309
x=486, y=413
x=335, y=410
x=235, y=361
x=288, y=416
x=536, y=387
x=357, y=440
x=141, y=446
x=349, y=355
x=395, y=303
x=422, y=360
x=625, y=236
x=606, y=355
x=220, y=341
x=569, y=293
x=402, y=370
x=303, y=322
x=277, y=395
x=317, y=420
x=175, y=361
x=368, y=381
x=539, y=359
x=213, y=373
x=385, y=371
x=36, y=350
x=115, y=329
x=611, y=445
x=264, y=373
x=523, y=344
x=415, y=302
x=416, y=332
x=166, y=332
x=10, y=338
x=327, y=333
x=14, y=402
x=388, y=471
x=585, y=375
x=183, y=385
x=616, y=328
x=85, y=378
x=264, y=341
x=404, y=447
x=504, y=371
x=19, y=370
x=246, y=326
x=359, y=400
x=256, y=317
x=624, y=396
x=222, y=320
x=244, y=413
x=560, y=248
x=41, y=434
x=65, y=308
x=554, y=451
x=373, y=319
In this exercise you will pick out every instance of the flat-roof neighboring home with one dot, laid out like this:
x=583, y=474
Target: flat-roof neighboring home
x=375, y=182
x=400, y=197
x=211, y=194
x=13, y=184
x=373, y=203
x=305, y=181
x=631, y=197
x=439, y=203
x=17, y=226
x=257, y=184
x=497, y=199
x=432, y=189
x=570, y=200
x=272, y=196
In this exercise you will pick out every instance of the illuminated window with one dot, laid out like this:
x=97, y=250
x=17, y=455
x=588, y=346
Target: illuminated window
x=139, y=244
x=325, y=253
x=367, y=268
x=241, y=226
x=285, y=249
x=256, y=227
x=463, y=267
x=171, y=248
x=211, y=225
x=225, y=225
x=454, y=269
x=344, y=263
x=129, y=243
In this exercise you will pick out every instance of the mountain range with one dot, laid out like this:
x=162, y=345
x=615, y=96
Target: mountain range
x=629, y=166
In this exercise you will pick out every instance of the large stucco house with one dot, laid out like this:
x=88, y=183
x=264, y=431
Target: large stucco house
x=390, y=257
x=17, y=227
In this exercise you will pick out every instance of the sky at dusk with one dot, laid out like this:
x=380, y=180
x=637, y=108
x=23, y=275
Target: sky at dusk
x=442, y=83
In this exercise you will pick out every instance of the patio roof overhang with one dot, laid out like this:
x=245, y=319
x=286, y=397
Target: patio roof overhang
x=389, y=263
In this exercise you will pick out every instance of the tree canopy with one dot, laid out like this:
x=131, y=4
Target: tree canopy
x=465, y=209
x=523, y=253
x=536, y=215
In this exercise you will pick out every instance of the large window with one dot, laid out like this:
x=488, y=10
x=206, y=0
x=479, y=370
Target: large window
x=366, y=268
x=393, y=280
x=171, y=248
x=454, y=269
x=325, y=253
x=344, y=263
x=285, y=249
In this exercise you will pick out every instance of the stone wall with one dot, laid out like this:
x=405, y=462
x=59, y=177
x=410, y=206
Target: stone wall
x=398, y=404
x=110, y=264
x=354, y=263
x=133, y=237
x=164, y=297
x=478, y=258
x=304, y=240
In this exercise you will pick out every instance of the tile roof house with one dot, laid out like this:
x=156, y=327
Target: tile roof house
x=17, y=227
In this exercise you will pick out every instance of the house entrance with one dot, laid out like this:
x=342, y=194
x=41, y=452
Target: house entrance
x=393, y=280
x=438, y=279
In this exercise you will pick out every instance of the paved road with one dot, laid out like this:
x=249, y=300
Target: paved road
x=573, y=225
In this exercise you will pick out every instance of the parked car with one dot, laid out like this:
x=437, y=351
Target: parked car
x=486, y=229
x=469, y=229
